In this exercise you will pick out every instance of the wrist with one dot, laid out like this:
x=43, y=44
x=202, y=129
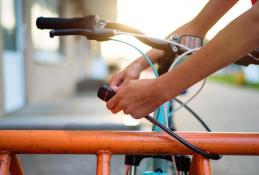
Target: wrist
x=153, y=55
x=193, y=28
x=160, y=90
x=141, y=63
x=136, y=66
x=166, y=88
x=197, y=27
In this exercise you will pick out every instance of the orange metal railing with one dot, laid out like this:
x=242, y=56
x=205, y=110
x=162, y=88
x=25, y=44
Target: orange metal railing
x=106, y=143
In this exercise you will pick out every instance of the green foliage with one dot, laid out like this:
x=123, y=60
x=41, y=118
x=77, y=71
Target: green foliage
x=231, y=79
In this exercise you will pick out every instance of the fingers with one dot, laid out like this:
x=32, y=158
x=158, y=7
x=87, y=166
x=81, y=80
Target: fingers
x=117, y=108
x=124, y=76
x=115, y=88
x=116, y=80
x=113, y=104
x=116, y=104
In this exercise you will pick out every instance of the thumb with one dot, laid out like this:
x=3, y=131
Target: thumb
x=115, y=88
x=116, y=80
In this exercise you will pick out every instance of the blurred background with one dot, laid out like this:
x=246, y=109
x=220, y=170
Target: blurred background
x=51, y=83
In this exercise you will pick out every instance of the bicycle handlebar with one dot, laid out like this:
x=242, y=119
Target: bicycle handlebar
x=95, y=34
x=96, y=29
x=87, y=22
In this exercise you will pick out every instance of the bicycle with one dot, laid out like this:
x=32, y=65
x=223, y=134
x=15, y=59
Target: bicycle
x=108, y=143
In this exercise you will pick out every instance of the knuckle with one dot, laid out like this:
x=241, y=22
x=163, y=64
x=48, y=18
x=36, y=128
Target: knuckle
x=108, y=106
x=131, y=76
x=137, y=115
x=126, y=110
x=114, y=111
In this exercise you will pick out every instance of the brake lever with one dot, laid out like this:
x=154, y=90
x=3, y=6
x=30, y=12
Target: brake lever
x=100, y=34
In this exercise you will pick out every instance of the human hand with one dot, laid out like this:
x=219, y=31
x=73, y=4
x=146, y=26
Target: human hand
x=252, y=58
x=190, y=28
x=137, y=98
x=131, y=72
x=168, y=57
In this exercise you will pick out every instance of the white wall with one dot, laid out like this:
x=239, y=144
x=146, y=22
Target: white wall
x=1, y=74
x=47, y=82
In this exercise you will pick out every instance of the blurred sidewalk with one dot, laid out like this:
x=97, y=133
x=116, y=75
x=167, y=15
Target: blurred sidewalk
x=225, y=108
x=84, y=111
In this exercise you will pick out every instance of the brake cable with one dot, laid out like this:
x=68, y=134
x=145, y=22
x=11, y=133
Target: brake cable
x=105, y=93
x=183, y=141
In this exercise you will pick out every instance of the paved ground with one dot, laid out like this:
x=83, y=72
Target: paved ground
x=229, y=109
x=224, y=108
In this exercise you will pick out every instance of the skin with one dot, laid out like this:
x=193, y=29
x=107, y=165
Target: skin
x=141, y=97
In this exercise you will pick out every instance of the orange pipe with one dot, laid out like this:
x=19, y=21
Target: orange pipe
x=5, y=160
x=16, y=167
x=90, y=142
x=200, y=166
x=103, y=163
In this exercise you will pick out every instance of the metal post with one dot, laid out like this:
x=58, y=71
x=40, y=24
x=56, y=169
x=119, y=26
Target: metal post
x=133, y=170
x=121, y=142
x=200, y=166
x=103, y=163
x=5, y=160
x=15, y=167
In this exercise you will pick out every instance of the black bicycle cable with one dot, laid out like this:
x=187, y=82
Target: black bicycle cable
x=177, y=137
x=194, y=114
x=106, y=92
x=183, y=141
x=173, y=134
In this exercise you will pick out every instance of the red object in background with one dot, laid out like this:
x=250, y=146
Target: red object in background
x=253, y=1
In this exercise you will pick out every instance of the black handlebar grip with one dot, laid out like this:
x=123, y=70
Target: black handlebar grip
x=105, y=93
x=86, y=22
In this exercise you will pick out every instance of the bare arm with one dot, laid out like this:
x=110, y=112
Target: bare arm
x=237, y=39
x=198, y=26
x=141, y=97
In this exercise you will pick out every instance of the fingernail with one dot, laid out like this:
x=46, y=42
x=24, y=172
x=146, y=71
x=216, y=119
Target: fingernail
x=115, y=88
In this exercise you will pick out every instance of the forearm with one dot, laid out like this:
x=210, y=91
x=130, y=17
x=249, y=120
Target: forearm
x=199, y=26
x=153, y=54
x=237, y=39
x=210, y=15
